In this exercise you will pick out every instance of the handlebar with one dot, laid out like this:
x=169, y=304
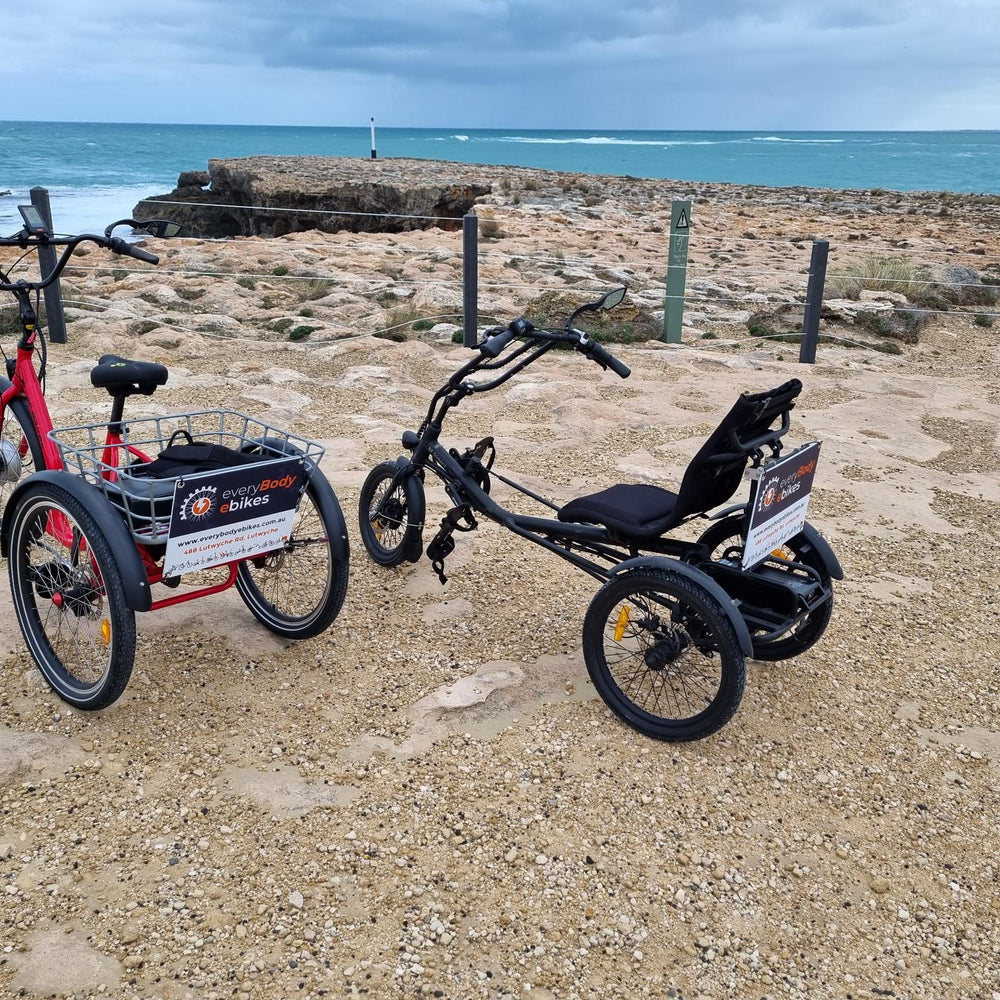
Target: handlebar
x=499, y=337
x=24, y=240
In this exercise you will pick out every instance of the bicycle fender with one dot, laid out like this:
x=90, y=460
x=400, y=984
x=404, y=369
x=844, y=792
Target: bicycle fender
x=332, y=514
x=108, y=521
x=703, y=580
x=823, y=550
x=325, y=496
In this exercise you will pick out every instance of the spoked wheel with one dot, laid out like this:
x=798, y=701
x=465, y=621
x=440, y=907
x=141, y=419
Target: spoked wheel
x=20, y=449
x=298, y=590
x=69, y=598
x=663, y=655
x=726, y=537
x=391, y=518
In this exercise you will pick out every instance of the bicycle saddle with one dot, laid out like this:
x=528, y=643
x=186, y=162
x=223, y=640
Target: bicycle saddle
x=122, y=377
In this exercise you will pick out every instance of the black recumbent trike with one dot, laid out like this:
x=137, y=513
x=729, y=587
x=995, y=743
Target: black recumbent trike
x=666, y=636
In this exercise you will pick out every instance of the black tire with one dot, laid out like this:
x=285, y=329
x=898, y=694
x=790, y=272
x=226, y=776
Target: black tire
x=297, y=591
x=663, y=655
x=726, y=535
x=20, y=449
x=69, y=598
x=394, y=535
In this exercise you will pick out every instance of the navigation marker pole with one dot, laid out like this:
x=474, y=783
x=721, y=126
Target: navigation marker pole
x=374, y=154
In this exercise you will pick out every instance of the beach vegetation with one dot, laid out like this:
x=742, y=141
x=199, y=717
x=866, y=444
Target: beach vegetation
x=878, y=273
x=245, y=281
x=306, y=312
x=531, y=184
x=489, y=229
x=984, y=319
x=300, y=332
x=896, y=324
x=119, y=274
x=281, y=325
x=422, y=324
x=312, y=288
x=280, y=271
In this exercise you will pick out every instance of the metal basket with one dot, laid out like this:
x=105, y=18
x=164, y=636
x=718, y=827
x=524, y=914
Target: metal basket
x=146, y=503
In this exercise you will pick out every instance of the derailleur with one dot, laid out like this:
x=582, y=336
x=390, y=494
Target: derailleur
x=441, y=546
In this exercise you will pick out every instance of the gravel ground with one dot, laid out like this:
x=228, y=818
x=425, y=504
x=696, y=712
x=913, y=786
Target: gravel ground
x=429, y=799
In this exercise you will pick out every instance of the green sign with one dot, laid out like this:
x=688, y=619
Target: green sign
x=673, y=311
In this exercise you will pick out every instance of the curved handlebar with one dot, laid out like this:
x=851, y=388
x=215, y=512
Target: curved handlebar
x=24, y=240
x=581, y=341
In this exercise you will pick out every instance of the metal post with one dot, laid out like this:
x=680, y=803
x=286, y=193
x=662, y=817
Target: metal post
x=54, y=318
x=470, y=280
x=374, y=154
x=673, y=310
x=814, y=302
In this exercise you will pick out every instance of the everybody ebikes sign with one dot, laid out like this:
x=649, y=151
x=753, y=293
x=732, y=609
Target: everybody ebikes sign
x=780, y=502
x=237, y=513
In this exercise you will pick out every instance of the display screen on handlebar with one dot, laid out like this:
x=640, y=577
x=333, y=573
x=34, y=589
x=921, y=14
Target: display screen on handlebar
x=33, y=221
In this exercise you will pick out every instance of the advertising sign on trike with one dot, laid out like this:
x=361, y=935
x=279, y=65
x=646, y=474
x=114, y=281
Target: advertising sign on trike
x=780, y=502
x=232, y=514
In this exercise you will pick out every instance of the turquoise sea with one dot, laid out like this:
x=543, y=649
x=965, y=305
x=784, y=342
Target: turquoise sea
x=97, y=172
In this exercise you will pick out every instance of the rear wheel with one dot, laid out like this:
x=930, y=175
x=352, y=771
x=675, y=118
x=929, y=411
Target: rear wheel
x=663, y=655
x=69, y=598
x=298, y=590
x=725, y=537
x=391, y=517
x=20, y=449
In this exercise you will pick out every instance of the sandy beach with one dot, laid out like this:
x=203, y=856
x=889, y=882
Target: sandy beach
x=430, y=799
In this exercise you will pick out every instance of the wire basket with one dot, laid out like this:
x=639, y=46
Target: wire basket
x=145, y=502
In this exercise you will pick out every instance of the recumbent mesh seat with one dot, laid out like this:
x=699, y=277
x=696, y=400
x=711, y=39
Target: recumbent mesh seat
x=641, y=512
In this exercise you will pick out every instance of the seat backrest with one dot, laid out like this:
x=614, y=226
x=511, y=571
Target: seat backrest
x=716, y=470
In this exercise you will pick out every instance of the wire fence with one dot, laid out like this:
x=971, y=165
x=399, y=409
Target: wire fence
x=740, y=288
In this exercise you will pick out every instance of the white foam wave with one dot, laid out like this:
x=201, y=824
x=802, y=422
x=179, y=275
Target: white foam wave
x=779, y=138
x=603, y=140
x=461, y=138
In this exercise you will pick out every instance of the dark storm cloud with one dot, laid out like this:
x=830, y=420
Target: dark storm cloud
x=634, y=63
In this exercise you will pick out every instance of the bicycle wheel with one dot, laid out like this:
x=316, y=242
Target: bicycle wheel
x=20, y=449
x=726, y=535
x=69, y=598
x=391, y=519
x=298, y=590
x=663, y=654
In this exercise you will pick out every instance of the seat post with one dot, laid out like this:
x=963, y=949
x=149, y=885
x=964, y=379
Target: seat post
x=117, y=412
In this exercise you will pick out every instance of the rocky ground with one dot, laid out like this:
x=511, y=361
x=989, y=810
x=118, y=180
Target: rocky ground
x=429, y=799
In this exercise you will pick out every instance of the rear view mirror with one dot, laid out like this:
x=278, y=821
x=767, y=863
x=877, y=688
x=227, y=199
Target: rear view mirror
x=612, y=299
x=161, y=228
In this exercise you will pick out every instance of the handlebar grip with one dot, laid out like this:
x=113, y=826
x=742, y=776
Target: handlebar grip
x=117, y=245
x=497, y=343
x=140, y=254
x=607, y=360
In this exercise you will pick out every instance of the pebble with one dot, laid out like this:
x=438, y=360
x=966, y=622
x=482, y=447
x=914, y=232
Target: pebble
x=296, y=899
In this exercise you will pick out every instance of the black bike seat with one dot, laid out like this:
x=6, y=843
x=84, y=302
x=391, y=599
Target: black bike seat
x=122, y=377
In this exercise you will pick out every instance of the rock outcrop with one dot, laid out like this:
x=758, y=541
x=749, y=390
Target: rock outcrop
x=276, y=195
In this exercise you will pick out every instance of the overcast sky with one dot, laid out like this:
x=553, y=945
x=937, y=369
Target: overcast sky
x=578, y=64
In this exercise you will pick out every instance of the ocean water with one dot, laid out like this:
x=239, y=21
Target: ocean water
x=96, y=172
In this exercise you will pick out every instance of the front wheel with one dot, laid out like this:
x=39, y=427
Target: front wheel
x=391, y=517
x=663, y=654
x=298, y=590
x=69, y=598
x=724, y=538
